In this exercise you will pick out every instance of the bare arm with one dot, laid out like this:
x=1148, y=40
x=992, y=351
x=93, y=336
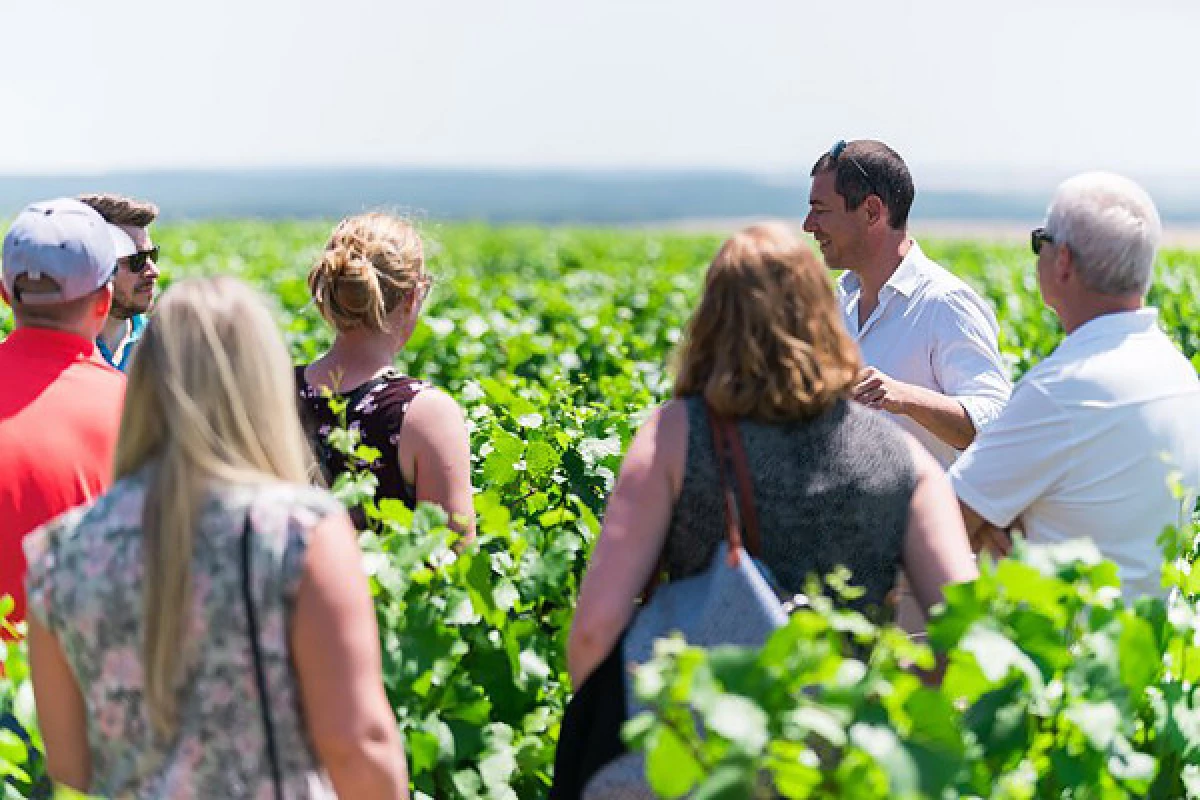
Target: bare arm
x=335, y=646
x=631, y=540
x=942, y=416
x=61, y=710
x=434, y=448
x=936, y=551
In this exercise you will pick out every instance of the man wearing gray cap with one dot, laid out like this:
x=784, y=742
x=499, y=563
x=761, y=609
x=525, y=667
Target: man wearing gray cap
x=61, y=404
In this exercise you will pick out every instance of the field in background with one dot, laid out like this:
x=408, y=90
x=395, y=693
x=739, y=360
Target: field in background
x=556, y=342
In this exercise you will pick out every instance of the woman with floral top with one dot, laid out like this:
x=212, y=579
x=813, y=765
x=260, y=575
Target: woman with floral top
x=369, y=284
x=205, y=629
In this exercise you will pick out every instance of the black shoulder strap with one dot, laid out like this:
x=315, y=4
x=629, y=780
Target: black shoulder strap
x=260, y=674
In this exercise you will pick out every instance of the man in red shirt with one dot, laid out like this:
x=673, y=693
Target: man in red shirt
x=61, y=403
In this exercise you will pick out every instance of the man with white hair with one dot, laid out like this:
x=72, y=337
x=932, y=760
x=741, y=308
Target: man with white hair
x=61, y=404
x=1091, y=435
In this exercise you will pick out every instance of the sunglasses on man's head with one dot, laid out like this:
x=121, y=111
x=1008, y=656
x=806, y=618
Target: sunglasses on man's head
x=1037, y=238
x=138, y=261
x=839, y=148
x=835, y=152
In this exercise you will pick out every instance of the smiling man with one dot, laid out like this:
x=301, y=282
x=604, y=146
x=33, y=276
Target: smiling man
x=136, y=279
x=929, y=341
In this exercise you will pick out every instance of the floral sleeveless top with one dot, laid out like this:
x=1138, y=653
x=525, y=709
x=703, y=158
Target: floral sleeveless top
x=85, y=584
x=375, y=409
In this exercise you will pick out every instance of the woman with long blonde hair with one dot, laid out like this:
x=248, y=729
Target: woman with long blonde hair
x=205, y=629
x=833, y=484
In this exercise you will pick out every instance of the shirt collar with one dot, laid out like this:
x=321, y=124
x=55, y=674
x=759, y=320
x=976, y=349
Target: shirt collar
x=51, y=340
x=120, y=357
x=905, y=280
x=907, y=277
x=1120, y=323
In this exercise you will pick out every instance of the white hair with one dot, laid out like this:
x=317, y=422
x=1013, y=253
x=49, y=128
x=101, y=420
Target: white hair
x=1112, y=229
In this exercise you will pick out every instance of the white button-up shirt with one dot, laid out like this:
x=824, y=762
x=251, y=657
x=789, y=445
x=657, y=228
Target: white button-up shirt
x=1086, y=445
x=933, y=330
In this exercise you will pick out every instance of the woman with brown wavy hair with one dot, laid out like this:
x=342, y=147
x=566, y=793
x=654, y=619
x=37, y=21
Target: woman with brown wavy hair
x=834, y=484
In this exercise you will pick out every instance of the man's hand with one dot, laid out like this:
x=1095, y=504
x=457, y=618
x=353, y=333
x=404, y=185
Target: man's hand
x=880, y=391
x=983, y=535
x=942, y=416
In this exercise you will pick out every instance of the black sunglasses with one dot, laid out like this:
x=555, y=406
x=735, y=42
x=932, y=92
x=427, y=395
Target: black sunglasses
x=1037, y=238
x=836, y=152
x=137, y=261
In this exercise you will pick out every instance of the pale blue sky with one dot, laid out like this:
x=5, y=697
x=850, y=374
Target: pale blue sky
x=991, y=92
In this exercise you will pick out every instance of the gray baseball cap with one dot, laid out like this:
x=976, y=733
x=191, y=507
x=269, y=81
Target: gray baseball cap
x=66, y=241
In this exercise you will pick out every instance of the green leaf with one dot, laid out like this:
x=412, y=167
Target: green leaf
x=882, y=744
x=541, y=460
x=422, y=749
x=1098, y=722
x=671, y=769
x=738, y=720
x=728, y=782
x=12, y=748
x=819, y=721
x=499, y=467
x=996, y=656
x=497, y=768
x=1141, y=661
x=467, y=782
x=1191, y=781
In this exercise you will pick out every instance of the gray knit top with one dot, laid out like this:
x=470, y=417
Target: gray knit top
x=830, y=491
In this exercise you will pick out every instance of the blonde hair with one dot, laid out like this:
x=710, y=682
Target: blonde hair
x=209, y=399
x=371, y=263
x=767, y=341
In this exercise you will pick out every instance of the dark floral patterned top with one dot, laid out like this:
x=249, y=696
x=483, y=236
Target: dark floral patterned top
x=85, y=584
x=376, y=410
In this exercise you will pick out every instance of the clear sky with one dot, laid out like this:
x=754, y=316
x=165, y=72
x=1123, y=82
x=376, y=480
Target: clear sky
x=965, y=90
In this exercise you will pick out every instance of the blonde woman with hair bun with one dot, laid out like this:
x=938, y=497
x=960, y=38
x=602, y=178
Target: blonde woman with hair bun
x=369, y=284
x=205, y=629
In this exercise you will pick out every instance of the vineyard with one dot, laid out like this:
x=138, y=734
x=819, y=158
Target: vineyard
x=556, y=342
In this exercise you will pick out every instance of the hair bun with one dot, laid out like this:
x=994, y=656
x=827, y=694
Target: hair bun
x=371, y=262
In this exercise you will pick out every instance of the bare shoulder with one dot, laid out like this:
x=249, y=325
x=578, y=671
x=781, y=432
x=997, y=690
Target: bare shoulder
x=673, y=419
x=434, y=407
x=661, y=444
x=665, y=429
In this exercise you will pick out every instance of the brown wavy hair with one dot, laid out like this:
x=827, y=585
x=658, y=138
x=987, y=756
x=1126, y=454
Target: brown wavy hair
x=117, y=209
x=371, y=263
x=767, y=341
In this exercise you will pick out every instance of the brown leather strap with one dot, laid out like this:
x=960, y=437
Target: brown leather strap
x=741, y=469
x=733, y=532
x=739, y=511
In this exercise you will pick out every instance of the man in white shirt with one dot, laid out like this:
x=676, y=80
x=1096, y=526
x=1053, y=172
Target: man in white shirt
x=929, y=340
x=1092, y=433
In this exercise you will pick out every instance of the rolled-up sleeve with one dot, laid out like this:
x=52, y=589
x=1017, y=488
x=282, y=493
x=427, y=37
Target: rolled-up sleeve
x=966, y=356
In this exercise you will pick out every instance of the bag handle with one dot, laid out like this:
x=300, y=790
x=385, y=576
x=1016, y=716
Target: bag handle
x=260, y=674
x=740, y=512
x=727, y=444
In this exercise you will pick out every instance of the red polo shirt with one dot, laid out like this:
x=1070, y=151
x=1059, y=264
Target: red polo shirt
x=60, y=407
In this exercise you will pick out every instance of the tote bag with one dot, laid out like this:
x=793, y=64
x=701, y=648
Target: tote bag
x=730, y=602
